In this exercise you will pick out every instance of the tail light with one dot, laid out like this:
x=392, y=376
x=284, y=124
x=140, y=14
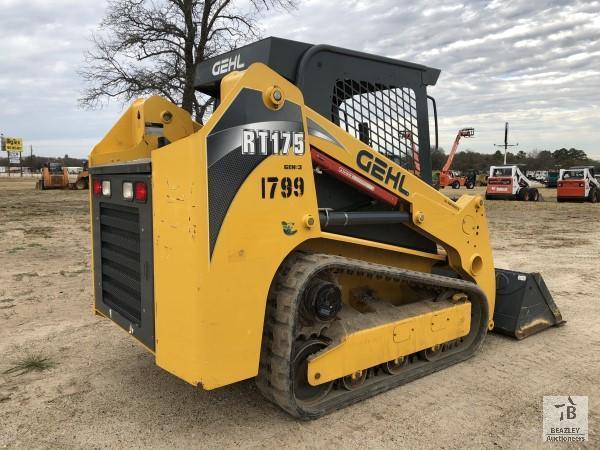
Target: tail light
x=128, y=190
x=559, y=184
x=140, y=191
x=581, y=184
x=106, y=188
x=97, y=188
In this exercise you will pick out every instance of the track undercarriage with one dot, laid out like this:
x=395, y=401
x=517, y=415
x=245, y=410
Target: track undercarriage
x=291, y=342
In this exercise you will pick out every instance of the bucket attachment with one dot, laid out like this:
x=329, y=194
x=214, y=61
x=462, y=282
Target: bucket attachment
x=524, y=305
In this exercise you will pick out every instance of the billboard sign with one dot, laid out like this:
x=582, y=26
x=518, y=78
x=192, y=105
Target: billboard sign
x=12, y=144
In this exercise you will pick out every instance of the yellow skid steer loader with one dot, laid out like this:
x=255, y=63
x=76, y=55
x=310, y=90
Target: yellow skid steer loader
x=289, y=239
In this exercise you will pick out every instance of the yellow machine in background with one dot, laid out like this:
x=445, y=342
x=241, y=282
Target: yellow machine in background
x=53, y=176
x=288, y=238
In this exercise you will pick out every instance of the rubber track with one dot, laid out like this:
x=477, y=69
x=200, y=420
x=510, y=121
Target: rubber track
x=281, y=329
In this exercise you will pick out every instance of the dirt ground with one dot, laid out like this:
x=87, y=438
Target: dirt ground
x=103, y=389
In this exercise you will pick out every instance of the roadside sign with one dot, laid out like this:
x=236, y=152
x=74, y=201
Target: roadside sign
x=12, y=144
x=14, y=157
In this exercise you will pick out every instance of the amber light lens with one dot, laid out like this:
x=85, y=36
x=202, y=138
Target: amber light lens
x=140, y=191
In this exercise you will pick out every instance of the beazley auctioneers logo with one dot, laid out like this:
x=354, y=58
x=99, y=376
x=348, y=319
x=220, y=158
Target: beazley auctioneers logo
x=565, y=418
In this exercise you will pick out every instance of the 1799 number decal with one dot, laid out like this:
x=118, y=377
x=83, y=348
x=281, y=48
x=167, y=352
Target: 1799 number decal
x=287, y=187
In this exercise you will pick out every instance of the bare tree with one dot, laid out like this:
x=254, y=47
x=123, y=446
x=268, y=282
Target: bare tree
x=146, y=47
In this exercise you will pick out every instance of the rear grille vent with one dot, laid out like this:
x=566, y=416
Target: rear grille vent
x=120, y=253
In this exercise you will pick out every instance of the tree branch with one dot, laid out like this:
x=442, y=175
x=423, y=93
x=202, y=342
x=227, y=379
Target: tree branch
x=153, y=47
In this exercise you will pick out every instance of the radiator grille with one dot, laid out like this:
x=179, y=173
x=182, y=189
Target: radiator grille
x=383, y=117
x=120, y=257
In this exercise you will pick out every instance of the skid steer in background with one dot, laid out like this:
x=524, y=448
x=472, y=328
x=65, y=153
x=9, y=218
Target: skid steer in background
x=285, y=240
x=578, y=184
x=55, y=176
x=509, y=183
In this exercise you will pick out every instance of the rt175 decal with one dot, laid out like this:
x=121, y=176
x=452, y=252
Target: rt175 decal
x=381, y=170
x=266, y=142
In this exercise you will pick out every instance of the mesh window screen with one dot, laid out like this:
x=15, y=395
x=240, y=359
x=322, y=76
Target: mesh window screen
x=383, y=117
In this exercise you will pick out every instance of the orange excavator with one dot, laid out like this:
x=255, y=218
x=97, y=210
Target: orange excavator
x=448, y=177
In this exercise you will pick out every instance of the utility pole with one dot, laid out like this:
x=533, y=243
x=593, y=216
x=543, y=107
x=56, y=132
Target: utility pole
x=506, y=144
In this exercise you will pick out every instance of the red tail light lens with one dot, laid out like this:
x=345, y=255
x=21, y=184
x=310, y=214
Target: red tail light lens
x=581, y=184
x=140, y=191
x=559, y=184
x=97, y=187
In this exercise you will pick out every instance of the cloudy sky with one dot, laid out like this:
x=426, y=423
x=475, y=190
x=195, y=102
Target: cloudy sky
x=533, y=63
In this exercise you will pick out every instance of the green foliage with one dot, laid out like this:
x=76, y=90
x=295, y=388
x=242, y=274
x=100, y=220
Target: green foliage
x=31, y=363
x=37, y=162
x=466, y=161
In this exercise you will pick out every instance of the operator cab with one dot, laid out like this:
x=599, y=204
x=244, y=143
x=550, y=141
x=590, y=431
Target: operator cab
x=501, y=171
x=381, y=101
x=55, y=168
x=577, y=173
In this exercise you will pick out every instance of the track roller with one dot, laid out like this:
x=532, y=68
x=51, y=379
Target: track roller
x=355, y=380
x=395, y=366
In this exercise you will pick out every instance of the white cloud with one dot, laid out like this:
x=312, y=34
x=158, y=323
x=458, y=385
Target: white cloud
x=41, y=47
x=532, y=63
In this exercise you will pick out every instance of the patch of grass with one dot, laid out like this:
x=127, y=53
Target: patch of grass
x=31, y=363
x=43, y=232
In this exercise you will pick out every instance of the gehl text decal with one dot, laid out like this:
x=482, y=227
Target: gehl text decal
x=381, y=170
x=267, y=142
